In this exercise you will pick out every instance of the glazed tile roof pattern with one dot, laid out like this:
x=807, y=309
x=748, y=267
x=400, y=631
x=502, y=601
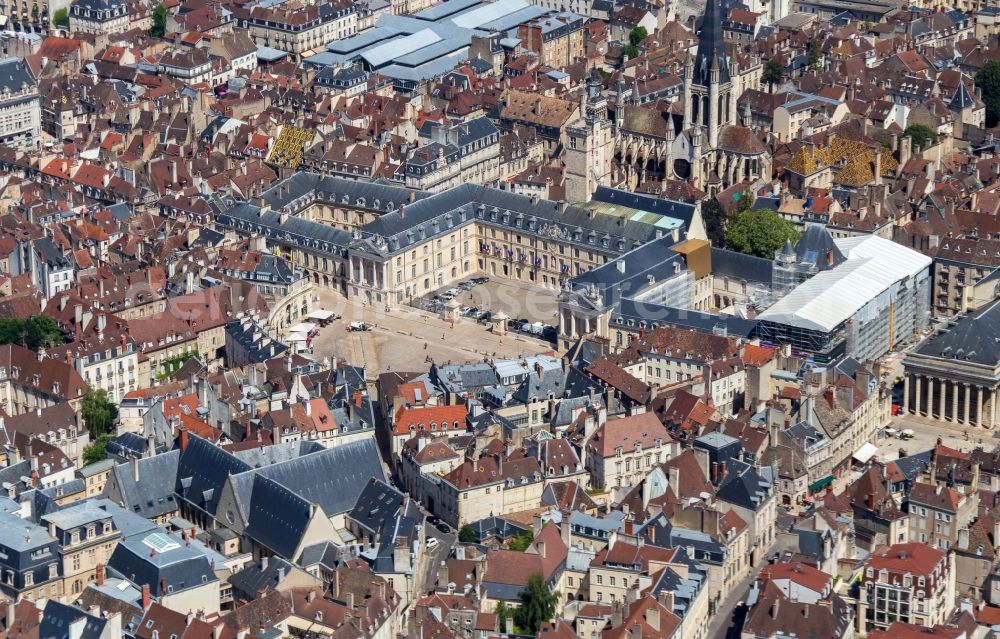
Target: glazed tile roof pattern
x=851, y=160
x=287, y=150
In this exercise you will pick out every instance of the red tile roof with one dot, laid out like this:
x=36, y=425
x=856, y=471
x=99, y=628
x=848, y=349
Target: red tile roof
x=799, y=573
x=430, y=418
x=643, y=429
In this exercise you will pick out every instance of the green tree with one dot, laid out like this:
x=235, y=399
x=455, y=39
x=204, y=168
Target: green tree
x=637, y=35
x=538, y=605
x=988, y=81
x=714, y=217
x=522, y=541
x=61, y=18
x=631, y=51
x=97, y=450
x=467, y=535
x=759, y=233
x=503, y=613
x=159, y=27
x=744, y=202
x=921, y=135
x=774, y=73
x=98, y=413
x=32, y=333
x=815, y=53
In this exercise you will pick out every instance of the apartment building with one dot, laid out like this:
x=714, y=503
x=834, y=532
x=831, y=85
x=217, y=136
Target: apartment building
x=557, y=38
x=466, y=152
x=299, y=28
x=621, y=452
x=491, y=485
x=29, y=560
x=939, y=513
x=911, y=583
x=20, y=105
x=87, y=536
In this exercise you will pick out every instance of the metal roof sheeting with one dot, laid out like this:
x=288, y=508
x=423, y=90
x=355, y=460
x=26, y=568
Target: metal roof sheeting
x=479, y=16
x=872, y=273
x=394, y=49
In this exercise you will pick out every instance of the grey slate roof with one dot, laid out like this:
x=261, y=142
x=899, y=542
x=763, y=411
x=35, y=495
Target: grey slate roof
x=202, y=471
x=20, y=534
x=652, y=315
x=741, y=266
x=153, y=495
x=429, y=216
x=179, y=567
x=496, y=527
x=14, y=73
x=973, y=338
x=815, y=245
x=331, y=478
x=128, y=445
x=58, y=617
x=255, y=577
x=745, y=486
x=629, y=274
x=278, y=517
x=377, y=502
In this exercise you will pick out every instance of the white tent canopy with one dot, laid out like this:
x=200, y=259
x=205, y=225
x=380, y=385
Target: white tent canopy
x=320, y=314
x=303, y=327
x=865, y=453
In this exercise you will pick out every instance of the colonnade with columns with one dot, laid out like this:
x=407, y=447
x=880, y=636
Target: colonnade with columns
x=368, y=273
x=952, y=400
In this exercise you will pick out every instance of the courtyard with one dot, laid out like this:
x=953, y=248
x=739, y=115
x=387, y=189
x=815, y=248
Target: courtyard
x=403, y=338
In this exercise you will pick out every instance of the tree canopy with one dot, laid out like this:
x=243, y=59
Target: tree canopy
x=32, y=333
x=522, y=541
x=98, y=413
x=538, y=605
x=97, y=450
x=631, y=51
x=159, y=28
x=988, y=81
x=714, y=218
x=815, y=53
x=921, y=135
x=760, y=232
x=466, y=534
x=774, y=73
x=637, y=35
x=61, y=18
x=503, y=613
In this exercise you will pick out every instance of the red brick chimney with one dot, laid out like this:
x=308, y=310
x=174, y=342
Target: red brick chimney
x=145, y=596
x=182, y=435
x=100, y=575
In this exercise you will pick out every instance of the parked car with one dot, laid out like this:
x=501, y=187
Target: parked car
x=359, y=326
x=432, y=542
x=453, y=291
x=443, y=527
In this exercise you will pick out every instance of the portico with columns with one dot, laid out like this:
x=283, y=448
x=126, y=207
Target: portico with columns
x=367, y=269
x=581, y=313
x=954, y=375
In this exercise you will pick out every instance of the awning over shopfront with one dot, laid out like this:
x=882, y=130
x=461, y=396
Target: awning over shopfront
x=820, y=484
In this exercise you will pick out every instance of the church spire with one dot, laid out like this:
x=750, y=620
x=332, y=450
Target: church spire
x=711, y=52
